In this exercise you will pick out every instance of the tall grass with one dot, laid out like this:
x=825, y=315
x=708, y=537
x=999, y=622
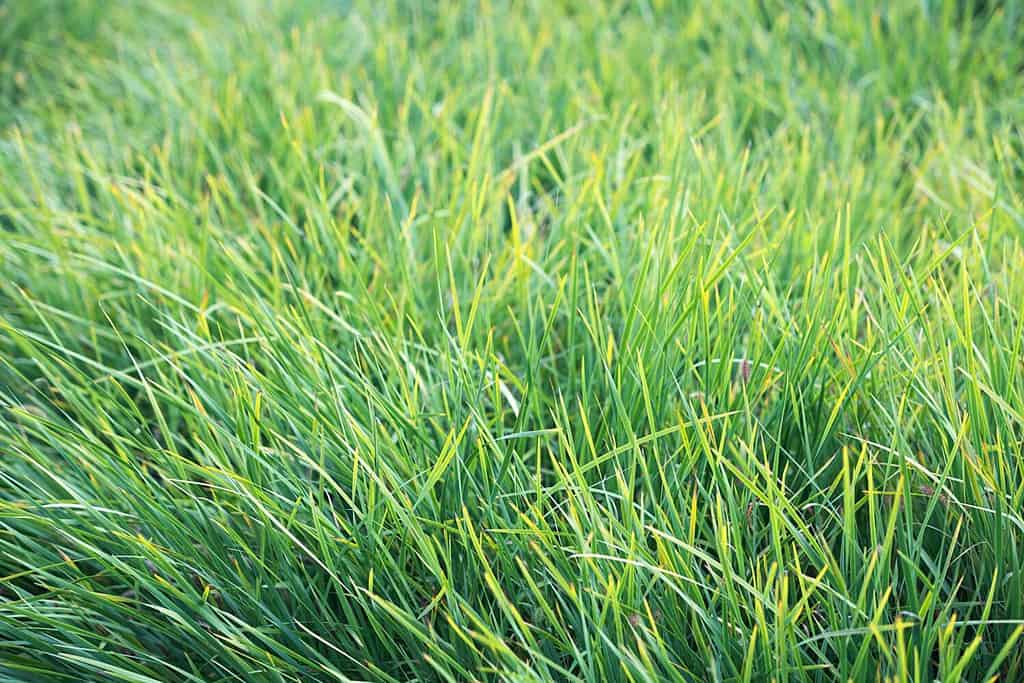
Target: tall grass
x=617, y=341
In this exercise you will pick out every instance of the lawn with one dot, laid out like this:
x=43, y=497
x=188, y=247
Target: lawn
x=511, y=340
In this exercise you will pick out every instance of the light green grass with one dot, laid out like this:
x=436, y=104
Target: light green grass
x=544, y=340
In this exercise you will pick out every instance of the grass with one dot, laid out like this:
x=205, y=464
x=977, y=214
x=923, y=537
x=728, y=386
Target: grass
x=543, y=340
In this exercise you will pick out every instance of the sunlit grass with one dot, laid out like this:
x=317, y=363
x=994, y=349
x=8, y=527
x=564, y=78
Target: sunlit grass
x=518, y=341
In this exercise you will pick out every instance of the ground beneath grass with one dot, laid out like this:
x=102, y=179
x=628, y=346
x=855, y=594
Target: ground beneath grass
x=524, y=341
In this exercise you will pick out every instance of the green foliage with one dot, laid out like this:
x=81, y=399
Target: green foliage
x=616, y=341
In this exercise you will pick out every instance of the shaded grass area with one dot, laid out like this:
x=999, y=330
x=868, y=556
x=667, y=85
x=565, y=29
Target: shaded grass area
x=511, y=341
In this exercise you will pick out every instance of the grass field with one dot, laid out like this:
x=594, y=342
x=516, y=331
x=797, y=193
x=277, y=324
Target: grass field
x=523, y=341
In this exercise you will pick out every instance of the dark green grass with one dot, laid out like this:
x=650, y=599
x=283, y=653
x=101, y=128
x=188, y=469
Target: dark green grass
x=511, y=341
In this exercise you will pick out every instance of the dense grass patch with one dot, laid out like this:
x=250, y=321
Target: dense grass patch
x=504, y=340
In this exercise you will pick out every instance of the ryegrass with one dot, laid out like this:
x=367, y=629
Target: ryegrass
x=511, y=340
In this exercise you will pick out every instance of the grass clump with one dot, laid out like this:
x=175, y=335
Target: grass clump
x=511, y=341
